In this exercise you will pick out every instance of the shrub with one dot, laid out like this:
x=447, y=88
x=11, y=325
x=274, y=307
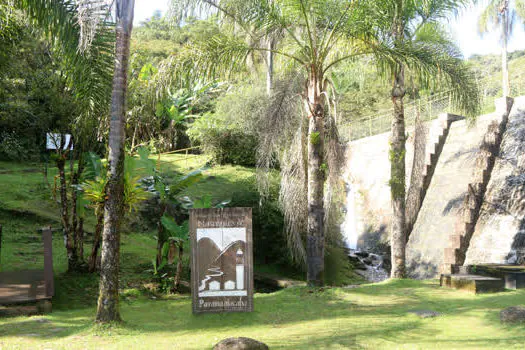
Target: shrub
x=229, y=134
x=11, y=148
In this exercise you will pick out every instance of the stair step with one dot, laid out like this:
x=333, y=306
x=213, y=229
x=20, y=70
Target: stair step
x=513, y=275
x=452, y=255
x=462, y=270
x=470, y=215
x=472, y=283
x=455, y=240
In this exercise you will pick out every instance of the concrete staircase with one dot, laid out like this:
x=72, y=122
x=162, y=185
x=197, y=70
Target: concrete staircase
x=439, y=132
x=459, y=241
x=485, y=278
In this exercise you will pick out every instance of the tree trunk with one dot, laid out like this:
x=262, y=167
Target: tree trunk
x=80, y=241
x=504, y=63
x=269, y=71
x=99, y=212
x=64, y=212
x=161, y=233
x=316, y=177
x=108, y=300
x=179, y=268
x=77, y=229
x=397, y=176
x=133, y=139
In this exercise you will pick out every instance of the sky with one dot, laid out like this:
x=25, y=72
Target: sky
x=463, y=28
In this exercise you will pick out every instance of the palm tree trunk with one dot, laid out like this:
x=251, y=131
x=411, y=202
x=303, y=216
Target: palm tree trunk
x=108, y=300
x=80, y=241
x=504, y=63
x=269, y=71
x=397, y=176
x=316, y=176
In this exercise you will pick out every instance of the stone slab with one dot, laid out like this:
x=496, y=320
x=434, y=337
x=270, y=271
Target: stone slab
x=514, y=275
x=473, y=283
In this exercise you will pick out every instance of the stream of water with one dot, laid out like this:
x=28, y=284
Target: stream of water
x=370, y=266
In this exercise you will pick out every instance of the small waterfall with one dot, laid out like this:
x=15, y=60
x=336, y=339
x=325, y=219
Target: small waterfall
x=349, y=227
x=371, y=266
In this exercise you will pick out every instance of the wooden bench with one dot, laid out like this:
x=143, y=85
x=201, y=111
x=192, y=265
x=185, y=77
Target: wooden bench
x=29, y=286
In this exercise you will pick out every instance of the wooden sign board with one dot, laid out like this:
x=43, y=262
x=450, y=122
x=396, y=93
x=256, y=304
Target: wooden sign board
x=222, y=260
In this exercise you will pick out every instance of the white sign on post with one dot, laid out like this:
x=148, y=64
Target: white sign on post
x=53, y=140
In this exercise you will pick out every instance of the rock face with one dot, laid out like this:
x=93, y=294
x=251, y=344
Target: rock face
x=499, y=236
x=370, y=266
x=241, y=343
x=513, y=314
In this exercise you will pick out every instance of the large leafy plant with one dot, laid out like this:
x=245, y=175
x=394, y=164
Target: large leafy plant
x=93, y=191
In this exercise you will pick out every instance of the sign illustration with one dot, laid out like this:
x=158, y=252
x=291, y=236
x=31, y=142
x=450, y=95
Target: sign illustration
x=222, y=271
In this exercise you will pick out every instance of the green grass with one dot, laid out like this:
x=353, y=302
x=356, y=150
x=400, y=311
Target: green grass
x=372, y=316
x=26, y=204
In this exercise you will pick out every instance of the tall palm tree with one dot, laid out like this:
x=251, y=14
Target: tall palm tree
x=76, y=25
x=500, y=13
x=317, y=35
x=418, y=24
x=108, y=300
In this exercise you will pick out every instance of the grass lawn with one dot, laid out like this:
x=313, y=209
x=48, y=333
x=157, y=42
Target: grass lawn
x=371, y=316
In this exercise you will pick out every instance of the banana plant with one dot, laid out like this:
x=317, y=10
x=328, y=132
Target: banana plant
x=178, y=235
x=171, y=194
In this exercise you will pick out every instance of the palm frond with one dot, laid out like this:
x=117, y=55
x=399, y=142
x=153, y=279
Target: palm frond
x=89, y=71
x=489, y=17
x=440, y=67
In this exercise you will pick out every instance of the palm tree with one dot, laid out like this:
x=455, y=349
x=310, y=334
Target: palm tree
x=77, y=25
x=499, y=12
x=417, y=24
x=317, y=35
x=108, y=300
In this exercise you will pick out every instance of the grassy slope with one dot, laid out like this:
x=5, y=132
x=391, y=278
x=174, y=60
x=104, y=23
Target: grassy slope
x=26, y=205
x=488, y=68
x=371, y=316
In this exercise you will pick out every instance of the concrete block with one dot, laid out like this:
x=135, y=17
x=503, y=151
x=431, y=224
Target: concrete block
x=513, y=275
x=455, y=240
x=472, y=283
x=451, y=255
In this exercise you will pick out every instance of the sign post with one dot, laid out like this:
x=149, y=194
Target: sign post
x=222, y=260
